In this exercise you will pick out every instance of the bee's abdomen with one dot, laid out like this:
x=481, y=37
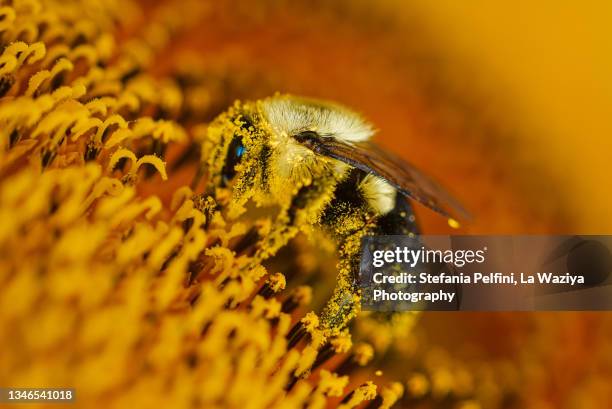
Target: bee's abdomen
x=399, y=221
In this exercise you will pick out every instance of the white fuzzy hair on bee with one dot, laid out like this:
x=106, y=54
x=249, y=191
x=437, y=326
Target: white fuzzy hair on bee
x=379, y=195
x=290, y=115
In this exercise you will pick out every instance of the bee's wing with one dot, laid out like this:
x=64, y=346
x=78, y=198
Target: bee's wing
x=403, y=176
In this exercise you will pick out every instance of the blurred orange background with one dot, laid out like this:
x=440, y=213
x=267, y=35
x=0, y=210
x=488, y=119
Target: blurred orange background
x=553, y=61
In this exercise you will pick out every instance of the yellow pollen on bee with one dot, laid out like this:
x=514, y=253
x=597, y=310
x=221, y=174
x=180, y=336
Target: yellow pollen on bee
x=453, y=223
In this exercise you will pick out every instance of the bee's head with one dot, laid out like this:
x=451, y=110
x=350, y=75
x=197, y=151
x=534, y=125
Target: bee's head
x=234, y=148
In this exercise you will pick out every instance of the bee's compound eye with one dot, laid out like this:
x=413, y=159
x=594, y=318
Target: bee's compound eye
x=240, y=150
x=234, y=153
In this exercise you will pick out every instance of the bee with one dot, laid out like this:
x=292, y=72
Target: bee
x=313, y=160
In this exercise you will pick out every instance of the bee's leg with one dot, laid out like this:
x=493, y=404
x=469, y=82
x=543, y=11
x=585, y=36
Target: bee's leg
x=345, y=302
